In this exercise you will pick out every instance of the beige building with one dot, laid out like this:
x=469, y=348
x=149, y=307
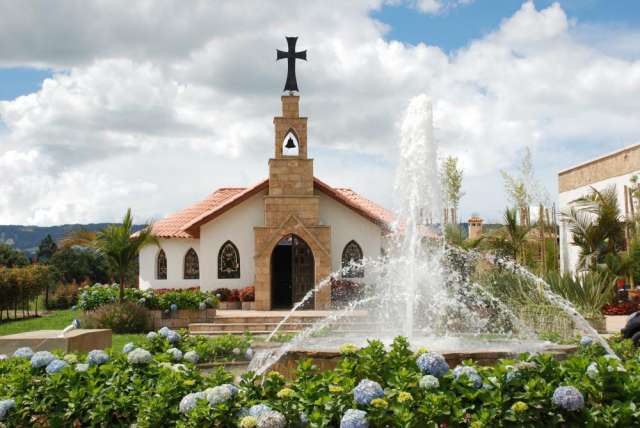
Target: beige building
x=283, y=235
x=616, y=169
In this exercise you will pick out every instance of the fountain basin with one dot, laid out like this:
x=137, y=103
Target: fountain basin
x=325, y=352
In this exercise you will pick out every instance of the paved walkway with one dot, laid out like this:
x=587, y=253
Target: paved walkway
x=615, y=322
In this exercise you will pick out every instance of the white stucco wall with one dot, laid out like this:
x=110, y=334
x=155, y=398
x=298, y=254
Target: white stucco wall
x=175, y=250
x=235, y=225
x=346, y=225
x=569, y=253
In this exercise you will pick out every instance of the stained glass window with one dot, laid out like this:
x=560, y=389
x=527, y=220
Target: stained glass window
x=161, y=265
x=228, y=261
x=191, y=265
x=352, y=254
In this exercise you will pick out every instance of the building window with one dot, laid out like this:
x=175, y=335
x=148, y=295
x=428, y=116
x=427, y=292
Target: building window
x=228, y=261
x=191, y=265
x=351, y=254
x=161, y=265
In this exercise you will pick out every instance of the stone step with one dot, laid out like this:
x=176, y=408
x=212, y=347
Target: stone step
x=196, y=328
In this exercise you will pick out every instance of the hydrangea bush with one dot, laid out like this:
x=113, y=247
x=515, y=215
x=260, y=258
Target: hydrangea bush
x=97, y=295
x=375, y=386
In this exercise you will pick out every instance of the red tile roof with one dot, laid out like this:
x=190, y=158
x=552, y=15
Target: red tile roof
x=186, y=223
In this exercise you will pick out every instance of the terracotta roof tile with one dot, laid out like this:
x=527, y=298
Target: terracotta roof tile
x=185, y=223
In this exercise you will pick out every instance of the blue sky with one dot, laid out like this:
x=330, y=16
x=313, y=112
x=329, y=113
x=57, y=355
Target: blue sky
x=450, y=30
x=145, y=112
x=457, y=26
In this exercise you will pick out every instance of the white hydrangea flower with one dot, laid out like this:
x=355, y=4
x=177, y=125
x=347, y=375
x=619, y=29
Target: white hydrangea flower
x=175, y=353
x=139, y=356
x=192, y=357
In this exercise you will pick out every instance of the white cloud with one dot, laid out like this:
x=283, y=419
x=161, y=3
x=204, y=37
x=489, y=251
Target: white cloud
x=157, y=104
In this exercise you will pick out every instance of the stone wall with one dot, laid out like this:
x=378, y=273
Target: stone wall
x=618, y=163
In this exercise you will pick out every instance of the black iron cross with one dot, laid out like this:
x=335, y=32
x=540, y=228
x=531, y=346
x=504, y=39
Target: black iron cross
x=291, y=55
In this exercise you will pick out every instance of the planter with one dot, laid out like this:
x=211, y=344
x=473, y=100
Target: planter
x=181, y=318
x=598, y=323
x=230, y=305
x=248, y=306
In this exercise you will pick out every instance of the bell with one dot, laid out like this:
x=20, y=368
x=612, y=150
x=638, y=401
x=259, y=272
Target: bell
x=290, y=144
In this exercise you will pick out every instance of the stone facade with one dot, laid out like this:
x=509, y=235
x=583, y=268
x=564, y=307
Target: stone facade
x=475, y=227
x=615, y=164
x=291, y=208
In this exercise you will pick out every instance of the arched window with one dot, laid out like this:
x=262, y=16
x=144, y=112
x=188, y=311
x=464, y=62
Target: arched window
x=191, y=265
x=290, y=144
x=228, y=261
x=351, y=254
x=161, y=265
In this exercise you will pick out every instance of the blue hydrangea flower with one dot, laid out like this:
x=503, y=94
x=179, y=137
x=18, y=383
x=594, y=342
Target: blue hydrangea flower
x=429, y=382
x=192, y=357
x=173, y=337
x=55, y=366
x=271, y=419
x=3, y=357
x=24, y=352
x=189, y=401
x=139, y=356
x=97, y=357
x=353, y=418
x=74, y=307
x=128, y=348
x=470, y=373
x=432, y=363
x=173, y=307
x=221, y=393
x=568, y=397
x=366, y=391
x=586, y=340
x=304, y=419
x=5, y=406
x=152, y=335
x=41, y=359
x=592, y=371
x=81, y=367
x=202, y=306
x=176, y=354
x=164, y=331
x=248, y=355
x=257, y=409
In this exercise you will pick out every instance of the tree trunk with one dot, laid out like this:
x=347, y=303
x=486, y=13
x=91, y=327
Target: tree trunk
x=121, y=287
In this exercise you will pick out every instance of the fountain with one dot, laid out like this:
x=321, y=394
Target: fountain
x=416, y=290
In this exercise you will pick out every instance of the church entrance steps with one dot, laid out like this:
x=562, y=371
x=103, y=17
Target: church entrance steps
x=263, y=322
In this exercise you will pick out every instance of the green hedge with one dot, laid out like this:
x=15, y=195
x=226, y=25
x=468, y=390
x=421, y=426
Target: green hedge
x=19, y=286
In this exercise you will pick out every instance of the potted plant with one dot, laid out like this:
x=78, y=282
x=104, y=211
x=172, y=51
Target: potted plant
x=224, y=296
x=248, y=297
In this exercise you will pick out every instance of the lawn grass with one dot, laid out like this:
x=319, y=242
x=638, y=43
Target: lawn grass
x=57, y=320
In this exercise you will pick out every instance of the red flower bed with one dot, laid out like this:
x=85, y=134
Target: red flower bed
x=248, y=294
x=625, y=308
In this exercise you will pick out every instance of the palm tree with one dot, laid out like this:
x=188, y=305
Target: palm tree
x=81, y=237
x=596, y=226
x=516, y=235
x=121, y=246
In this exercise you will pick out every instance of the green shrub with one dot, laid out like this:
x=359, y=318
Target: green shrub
x=588, y=292
x=98, y=294
x=63, y=296
x=514, y=393
x=126, y=317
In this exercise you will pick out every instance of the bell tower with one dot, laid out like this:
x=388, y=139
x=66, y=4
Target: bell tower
x=291, y=171
x=291, y=210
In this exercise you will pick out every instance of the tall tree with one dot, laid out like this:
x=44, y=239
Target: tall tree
x=46, y=248
x=522, y=188
x=121, y=247
x=10, y=257
x=451, y=176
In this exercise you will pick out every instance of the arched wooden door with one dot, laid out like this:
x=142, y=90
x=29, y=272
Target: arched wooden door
x=292, y=273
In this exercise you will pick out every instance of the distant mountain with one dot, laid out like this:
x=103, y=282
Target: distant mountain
x=27, y=238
